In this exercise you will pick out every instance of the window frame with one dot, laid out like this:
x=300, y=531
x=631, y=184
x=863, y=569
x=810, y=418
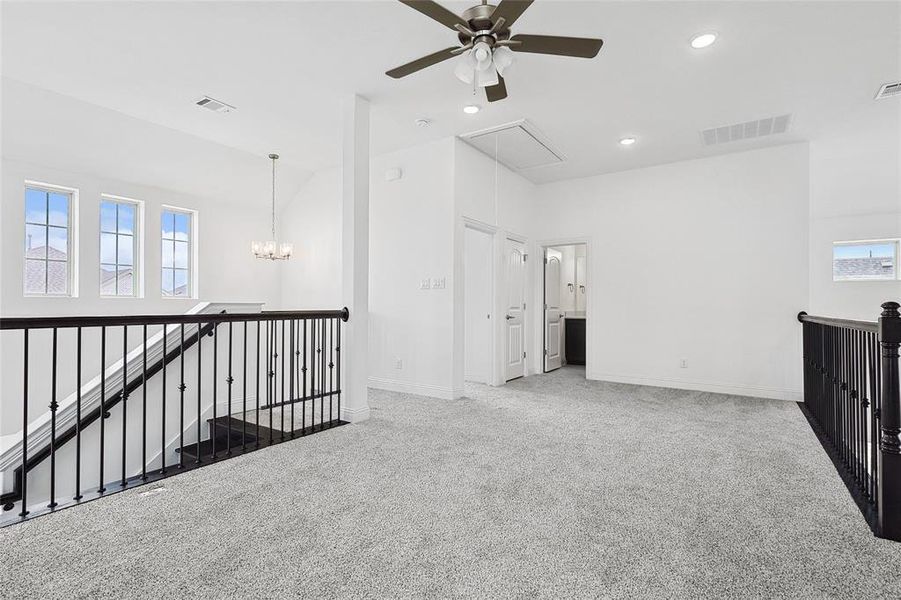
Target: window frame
x=894, y=242
x=192, y=252
x=137, y=288
x=71, y=238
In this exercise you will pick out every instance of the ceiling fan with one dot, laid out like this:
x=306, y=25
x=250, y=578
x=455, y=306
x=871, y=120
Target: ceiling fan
x=487, y=46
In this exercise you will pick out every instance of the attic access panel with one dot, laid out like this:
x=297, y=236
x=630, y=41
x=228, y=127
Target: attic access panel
x=518, y=145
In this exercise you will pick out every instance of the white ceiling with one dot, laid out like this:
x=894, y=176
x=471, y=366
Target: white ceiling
x=286, y=66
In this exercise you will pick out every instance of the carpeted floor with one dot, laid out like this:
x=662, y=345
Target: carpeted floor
x=549, y=487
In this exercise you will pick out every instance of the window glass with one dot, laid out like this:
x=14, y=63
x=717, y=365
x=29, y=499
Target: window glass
x=176, y=253
x=862, y=261
x=118, y=247
x=47, y=241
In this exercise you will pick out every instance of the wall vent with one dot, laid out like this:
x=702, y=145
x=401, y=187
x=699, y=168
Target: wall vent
x=745, y=131
x=214, y=105
x=888, y=90
x=519, y=145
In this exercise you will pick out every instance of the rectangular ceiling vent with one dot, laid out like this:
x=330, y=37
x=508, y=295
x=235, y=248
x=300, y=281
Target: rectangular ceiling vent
x=888, y=90
x=518, y=145
x=745, y=131
x=214, y=105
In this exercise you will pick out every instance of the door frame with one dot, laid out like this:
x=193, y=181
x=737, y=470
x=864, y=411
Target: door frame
x=543, y=246
x=491, y=232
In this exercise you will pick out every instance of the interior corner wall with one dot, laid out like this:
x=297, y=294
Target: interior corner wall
x=855, y=194
x=492, y=196
x=311, y=280
x=411, y=241
x=703, y=260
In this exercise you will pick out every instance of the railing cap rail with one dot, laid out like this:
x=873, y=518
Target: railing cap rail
x=124, y=320
x=871, y=326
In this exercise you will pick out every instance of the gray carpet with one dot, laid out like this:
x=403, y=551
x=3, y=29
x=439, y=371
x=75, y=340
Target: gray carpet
x=550, y=487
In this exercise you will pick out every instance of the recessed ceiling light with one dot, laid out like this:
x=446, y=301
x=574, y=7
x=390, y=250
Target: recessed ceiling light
x=471, y=109
x=702, y=40
x=627, y=141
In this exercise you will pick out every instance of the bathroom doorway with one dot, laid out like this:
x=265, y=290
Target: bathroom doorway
x=565, y=306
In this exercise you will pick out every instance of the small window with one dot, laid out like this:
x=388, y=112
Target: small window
x=119, y=247
x=874, y=260
x=49, y=268
x=177, y=253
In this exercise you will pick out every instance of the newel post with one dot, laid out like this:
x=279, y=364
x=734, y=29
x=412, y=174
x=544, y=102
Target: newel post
x=890, y=416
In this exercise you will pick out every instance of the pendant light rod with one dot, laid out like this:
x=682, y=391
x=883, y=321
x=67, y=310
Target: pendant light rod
x=274, y=158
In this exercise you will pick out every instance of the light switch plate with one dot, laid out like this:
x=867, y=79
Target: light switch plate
x=425, y=284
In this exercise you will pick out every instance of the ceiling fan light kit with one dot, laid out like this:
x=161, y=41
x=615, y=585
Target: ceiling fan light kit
x=487, y=47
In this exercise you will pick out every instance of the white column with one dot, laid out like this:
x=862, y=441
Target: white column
x=355, y=258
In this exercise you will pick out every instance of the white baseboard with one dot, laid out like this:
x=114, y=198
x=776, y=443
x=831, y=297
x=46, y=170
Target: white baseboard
x=355, y=415
x=713, y=387
x=420, y=389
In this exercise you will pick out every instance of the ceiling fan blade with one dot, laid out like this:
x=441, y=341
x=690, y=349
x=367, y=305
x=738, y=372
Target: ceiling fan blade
x=422, y=63
x=510, y=10
x=435, y=11
x=497, y=92
x=559, y=46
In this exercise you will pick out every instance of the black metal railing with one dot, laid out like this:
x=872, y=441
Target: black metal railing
x=853, y=402
x=284, y=365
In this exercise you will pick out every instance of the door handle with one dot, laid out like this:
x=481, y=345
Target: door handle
x=508, y=317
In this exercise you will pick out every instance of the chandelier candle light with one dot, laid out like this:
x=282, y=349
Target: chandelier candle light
x=271, y=249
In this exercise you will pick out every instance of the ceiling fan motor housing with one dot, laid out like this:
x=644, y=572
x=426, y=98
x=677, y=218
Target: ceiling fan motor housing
x=479, y=19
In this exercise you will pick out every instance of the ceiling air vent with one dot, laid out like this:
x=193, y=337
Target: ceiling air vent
x=214, y=105
x=518, y=145
x=888, y=90
x=745, y=131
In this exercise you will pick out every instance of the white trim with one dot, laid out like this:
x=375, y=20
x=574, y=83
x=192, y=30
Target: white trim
x=137, y=243
x=479, y=225
x=896, y=242
x=354, y=415
x=193, y=252
x=72, y=258
x=543, y=245
x=419, y=389
x=705, y=386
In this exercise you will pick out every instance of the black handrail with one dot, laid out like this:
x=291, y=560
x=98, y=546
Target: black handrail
x=127, y=320
x=870, y=326
x=306, y=367
x=852, y=399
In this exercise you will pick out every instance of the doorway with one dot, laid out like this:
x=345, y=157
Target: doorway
x=565, y=306
x=479, y=305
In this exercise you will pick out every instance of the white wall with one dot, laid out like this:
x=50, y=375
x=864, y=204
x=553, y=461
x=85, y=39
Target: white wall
x=54, y=139
x=704, y=260
x=855, y=194
x=312, y=220
x=488, y=194
x=412, y=228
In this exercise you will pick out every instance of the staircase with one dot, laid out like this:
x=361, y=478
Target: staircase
x=285, y=367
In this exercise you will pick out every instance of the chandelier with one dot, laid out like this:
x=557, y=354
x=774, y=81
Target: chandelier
x=272, y=249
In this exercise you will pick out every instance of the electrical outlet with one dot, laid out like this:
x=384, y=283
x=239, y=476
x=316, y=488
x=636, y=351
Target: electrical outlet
x=399, y=364
x=425, y=284
x=683, y=364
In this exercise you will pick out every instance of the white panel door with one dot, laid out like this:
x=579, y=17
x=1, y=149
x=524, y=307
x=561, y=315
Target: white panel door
x=553, y=323
x=514, y=359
